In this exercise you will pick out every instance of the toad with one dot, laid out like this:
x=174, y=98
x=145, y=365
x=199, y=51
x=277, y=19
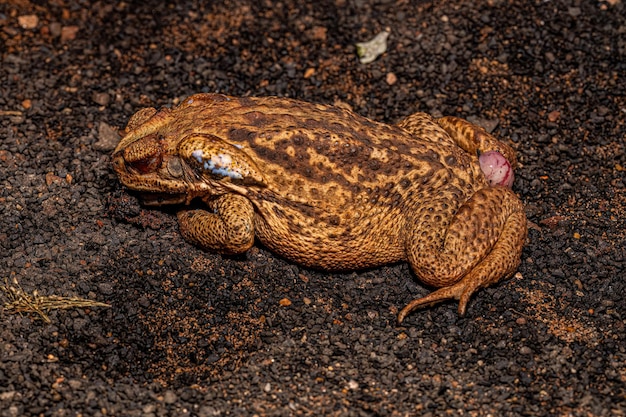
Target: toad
x=329, y=189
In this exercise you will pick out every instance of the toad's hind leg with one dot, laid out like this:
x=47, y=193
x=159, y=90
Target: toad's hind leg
x=474, y=139
x=455, y=131
x=229, y=228
x=482, y=245
x=423, y=126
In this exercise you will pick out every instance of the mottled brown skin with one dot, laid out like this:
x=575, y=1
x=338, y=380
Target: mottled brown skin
x=329, y=189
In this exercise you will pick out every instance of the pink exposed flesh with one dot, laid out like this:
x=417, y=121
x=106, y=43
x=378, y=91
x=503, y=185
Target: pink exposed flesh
x=496, y=168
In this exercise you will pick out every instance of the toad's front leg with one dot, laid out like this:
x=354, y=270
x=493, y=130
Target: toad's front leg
x=229, y=228
x=482, y=244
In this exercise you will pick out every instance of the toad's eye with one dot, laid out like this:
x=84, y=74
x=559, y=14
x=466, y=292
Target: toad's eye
x=144, y=155
x=148, y=164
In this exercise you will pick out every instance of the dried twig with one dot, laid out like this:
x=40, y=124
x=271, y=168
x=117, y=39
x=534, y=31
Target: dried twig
x=22, y=302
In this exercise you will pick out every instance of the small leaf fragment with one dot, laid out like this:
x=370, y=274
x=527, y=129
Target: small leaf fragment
x=370, y=50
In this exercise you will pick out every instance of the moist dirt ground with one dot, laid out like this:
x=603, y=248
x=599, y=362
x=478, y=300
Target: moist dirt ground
x=190, y=333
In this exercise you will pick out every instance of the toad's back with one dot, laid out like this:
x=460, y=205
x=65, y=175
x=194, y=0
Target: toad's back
x=328, y=157
x=333, y=180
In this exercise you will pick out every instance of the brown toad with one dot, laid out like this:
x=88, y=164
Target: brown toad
x=329, y=189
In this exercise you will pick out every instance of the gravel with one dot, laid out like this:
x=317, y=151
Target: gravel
x=190, y=333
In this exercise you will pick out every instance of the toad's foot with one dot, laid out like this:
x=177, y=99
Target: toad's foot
x=461, y=291
x=228, y=228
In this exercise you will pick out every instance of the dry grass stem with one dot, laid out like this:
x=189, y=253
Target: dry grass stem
x=20, y=301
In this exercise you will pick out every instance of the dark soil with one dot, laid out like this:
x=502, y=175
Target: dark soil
x=199, y=334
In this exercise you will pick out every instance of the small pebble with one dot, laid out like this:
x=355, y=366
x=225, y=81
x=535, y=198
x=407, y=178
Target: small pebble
x=7, y=396
x=169, y=397
x=319, y=33
x=574, y=11
x=108, y=138
x=105, y=288
x=68, y=33
x=525, y=350
x=51, y=178
x=28, y=21
x=101, y=98
x=553, y=116
x=55, y=29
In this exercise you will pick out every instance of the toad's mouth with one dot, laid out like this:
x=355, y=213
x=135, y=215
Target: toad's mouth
x=497, y=169
x=161, y=199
